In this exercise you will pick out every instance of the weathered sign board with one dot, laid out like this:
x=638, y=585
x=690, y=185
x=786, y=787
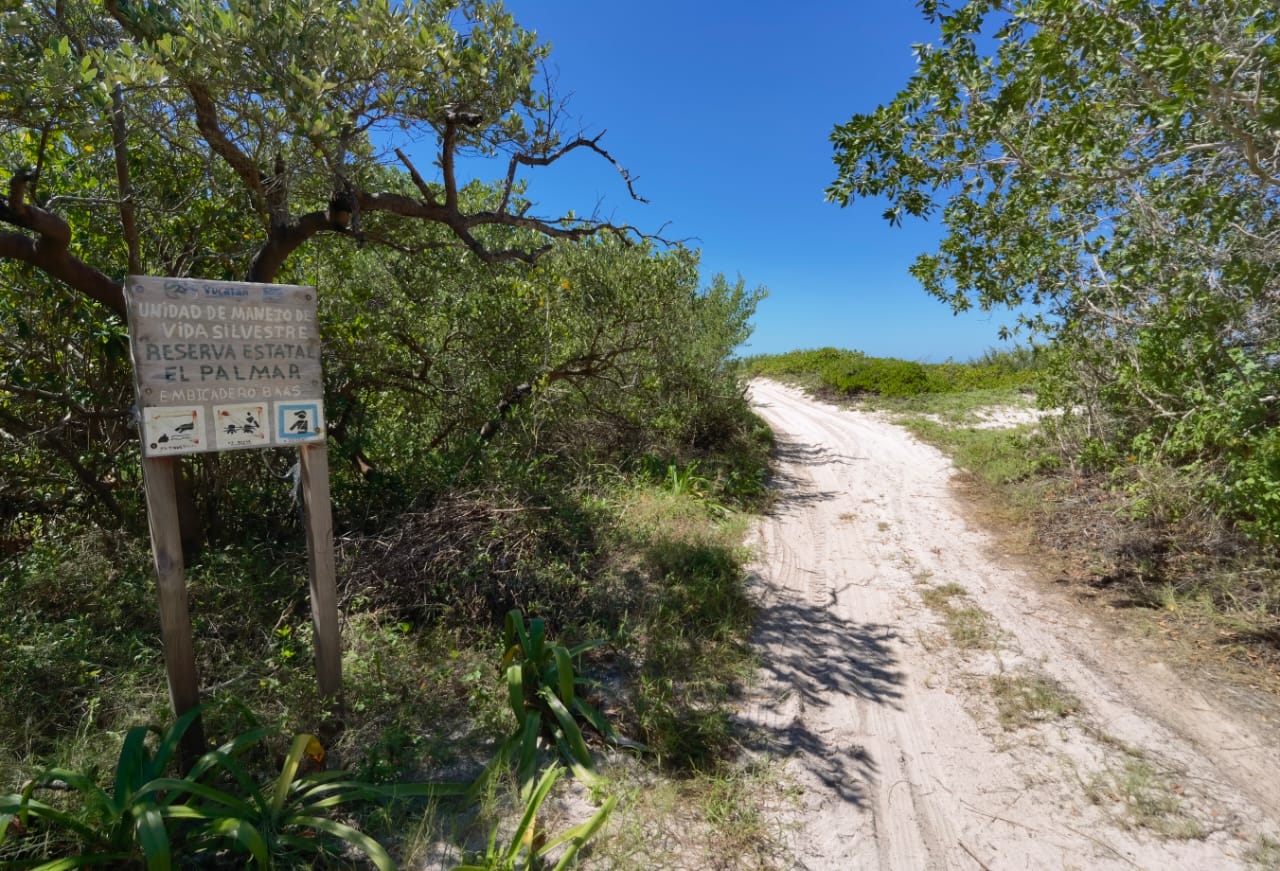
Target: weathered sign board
x=227, y=365
x=224, y=365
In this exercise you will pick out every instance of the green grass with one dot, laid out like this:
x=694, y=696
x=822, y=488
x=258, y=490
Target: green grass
x=732, y=816
x=949, y=422
x=939, y=598
x=1265, y=853
x=690, y=632
x=655, y=569
x=1025, y=699
x=1142, y=797
x=968, y=626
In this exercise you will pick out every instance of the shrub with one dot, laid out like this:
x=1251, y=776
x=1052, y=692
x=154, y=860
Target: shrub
x=876, y=375
x=852, y=372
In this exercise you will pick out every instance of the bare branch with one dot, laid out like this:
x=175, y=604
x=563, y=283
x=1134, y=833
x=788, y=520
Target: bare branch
x=580, y=142
x=418, y=181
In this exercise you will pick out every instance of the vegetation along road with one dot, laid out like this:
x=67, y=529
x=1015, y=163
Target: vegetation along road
x=941, y=709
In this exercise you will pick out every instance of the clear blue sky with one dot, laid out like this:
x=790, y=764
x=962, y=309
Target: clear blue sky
x=723, y=110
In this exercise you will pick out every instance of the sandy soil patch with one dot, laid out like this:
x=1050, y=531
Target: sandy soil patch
x=999, y=417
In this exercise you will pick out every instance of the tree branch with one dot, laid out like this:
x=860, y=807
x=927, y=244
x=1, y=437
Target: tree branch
x=283, y=240
x=546, y=160
x=425, y=189
x=128, y=220
x=71, y=457
x=206, y=116
x=448, y=142
x=48, y=250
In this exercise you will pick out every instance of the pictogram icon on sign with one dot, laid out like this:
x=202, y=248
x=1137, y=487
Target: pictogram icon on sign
x=244, y=425
x=299, y=421
x=174, y=430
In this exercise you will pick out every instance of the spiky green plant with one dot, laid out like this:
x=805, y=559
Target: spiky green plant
x=542, y=686
x=152, y=819
x=527, y=848
x=123, y=825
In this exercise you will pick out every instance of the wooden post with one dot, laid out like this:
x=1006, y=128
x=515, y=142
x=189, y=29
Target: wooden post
x=175, y=619
x=314, y=481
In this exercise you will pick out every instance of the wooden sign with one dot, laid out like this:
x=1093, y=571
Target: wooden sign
x=218, y=366
x=224, y=365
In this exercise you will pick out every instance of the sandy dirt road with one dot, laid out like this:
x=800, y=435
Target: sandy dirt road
x=890, y=729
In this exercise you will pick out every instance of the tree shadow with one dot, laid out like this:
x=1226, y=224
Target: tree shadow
x=796, y=491
x=803, y=454
x=818, y=660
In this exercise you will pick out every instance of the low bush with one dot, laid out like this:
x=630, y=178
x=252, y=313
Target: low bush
x=882, y=377
x=853, y=373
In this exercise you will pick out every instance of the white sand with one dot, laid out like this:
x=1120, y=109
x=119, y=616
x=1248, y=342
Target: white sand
x=890, y=729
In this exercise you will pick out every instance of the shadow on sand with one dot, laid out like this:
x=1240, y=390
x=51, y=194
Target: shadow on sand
x=825, y=660
x=794, y=490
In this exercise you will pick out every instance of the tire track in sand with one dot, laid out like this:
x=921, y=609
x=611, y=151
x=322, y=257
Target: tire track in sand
x=899, y=766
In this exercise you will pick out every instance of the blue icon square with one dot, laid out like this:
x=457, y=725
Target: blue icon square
x=298, y=422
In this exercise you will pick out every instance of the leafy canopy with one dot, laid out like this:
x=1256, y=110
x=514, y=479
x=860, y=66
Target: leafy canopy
x=1115, y=166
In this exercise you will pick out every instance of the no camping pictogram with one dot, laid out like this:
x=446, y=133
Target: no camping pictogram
x=174, y=430
x=299, y=421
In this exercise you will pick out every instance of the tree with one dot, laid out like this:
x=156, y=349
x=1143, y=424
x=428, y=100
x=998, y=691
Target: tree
x=601, y=351
x=290, y=104
x=1114, y=165
x=221, y=139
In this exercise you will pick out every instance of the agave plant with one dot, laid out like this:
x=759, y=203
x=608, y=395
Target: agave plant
x=542, y=686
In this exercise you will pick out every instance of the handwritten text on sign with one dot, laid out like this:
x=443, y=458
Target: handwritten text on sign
x=221, y=365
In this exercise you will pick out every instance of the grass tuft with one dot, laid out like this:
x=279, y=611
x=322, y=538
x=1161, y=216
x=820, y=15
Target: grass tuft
x=1265, y=853
x=968, y=626
x=1024, y=699
x=1143, y=798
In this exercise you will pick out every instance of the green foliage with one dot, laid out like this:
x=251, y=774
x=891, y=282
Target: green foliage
x=239, y=121
x=996, y=456
x=125, y=824
x=542, y=692
x=1230, y=437
x=488, y=405
x=285, y=822
x=150, y=818
x=413, y=688
x=875, y=375
x=77, y=631
x=695, y=650
x=852, y=373
x=528, y=847
x=1107, y=171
